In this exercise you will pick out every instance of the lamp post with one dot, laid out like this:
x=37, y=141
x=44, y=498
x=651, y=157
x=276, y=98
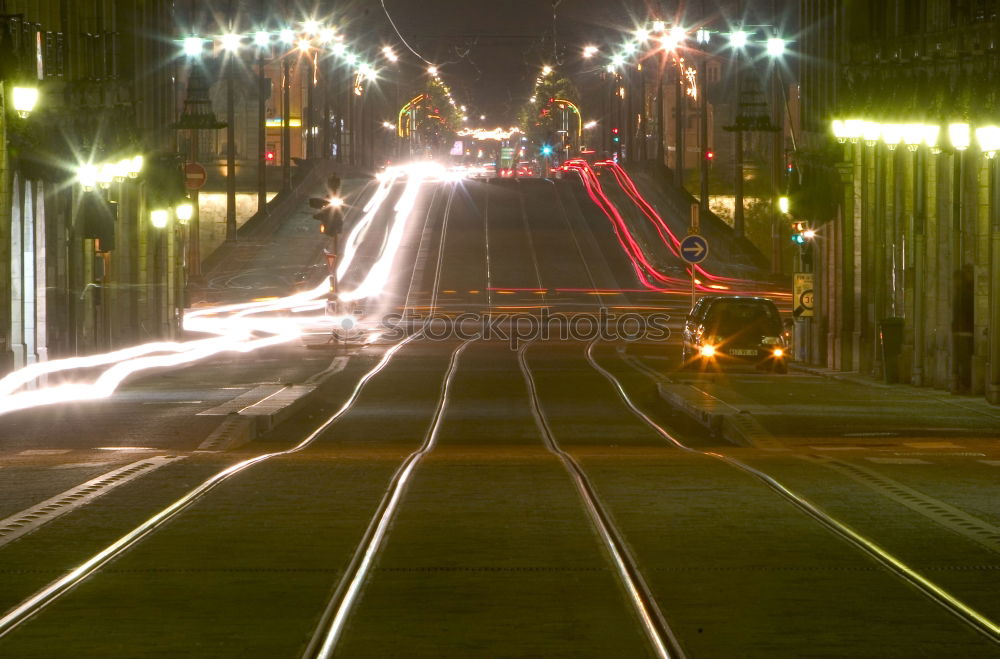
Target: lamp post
x=197, y=115
x=960, y=137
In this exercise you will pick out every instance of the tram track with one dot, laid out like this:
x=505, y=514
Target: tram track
x=49, y=594
x=879, y=554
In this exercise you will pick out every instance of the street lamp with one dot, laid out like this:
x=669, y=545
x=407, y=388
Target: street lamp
x=184, y=212
x=739, y=39
x=193, y=46
x=988, y=138
x=159, y=218
x=24, y=100
x=959, y=135
x=775, y=47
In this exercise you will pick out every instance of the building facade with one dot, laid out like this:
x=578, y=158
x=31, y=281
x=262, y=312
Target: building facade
x=900, y=105
x=83, y=269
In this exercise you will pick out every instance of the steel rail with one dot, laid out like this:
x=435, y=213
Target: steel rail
x=34, y=604
x=324, y=639
x=328, y=632
x=964, y=612
x=662, y=638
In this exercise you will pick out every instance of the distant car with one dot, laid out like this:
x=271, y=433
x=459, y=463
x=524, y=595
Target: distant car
x=726, y=329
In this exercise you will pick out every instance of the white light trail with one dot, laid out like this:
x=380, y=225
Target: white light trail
x=235, y=327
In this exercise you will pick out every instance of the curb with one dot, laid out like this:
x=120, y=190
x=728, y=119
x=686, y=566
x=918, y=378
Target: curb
x=717, y=416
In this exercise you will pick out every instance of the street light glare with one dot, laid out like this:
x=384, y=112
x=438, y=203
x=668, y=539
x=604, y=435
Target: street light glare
x=775, y=47
x=678, y=34
x=262, y=38
x=311, y=27
x=390, y=54
x=546, y=70
x=642, y=34
x=590, y=51
x=327, y=35
x=433, y=70
x=159, y=218
x=231, y=42
x=193, y=46
x=304, y=45
x=739, y=39
x=287, y=36
x=24, y=100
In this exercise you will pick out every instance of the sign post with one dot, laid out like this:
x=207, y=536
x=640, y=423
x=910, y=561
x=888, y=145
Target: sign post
x=694, y=250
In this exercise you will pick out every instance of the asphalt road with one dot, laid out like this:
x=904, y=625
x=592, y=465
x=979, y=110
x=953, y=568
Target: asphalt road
x=482, y=490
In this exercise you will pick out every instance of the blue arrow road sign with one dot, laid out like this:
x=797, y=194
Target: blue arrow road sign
x=694, y=249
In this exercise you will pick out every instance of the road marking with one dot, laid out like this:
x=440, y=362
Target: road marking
x=898, y=461
x=81, y=465
x=45, y=451
x=244, y=400
x=26, y=521
x=128, y=449
x=943, y=514
x=932, y=445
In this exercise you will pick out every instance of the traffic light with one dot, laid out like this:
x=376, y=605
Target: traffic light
x=615, y=137
x=709, y=155
x=330, y=216
x=546, y=150
x=269, y=155
x=800, y=232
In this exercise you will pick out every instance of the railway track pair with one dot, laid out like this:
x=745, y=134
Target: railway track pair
x=662, y=640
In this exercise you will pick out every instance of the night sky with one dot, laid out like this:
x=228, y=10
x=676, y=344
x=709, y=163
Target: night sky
x=490, y=51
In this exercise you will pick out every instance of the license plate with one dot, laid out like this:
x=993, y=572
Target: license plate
x=743, y=353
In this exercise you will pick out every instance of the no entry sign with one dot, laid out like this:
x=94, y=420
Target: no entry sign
x=194, y=176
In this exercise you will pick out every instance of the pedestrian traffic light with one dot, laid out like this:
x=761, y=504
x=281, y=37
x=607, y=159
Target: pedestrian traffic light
x=546, y=150
x=615, y=137
x=269, y=155
x=709, y=155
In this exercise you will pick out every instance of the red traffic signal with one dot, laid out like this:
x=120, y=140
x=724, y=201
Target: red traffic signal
x=614, y=131
x=709, y=154
x=269, y=155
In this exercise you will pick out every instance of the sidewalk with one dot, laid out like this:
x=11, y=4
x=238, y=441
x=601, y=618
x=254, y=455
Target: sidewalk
x=815, y=406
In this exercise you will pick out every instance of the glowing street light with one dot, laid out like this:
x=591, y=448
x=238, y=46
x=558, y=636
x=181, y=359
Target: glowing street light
x=913, y=135
x=988, y=138
x=590, y=51
x=617, y=61
x=739, y=39
x=24, y=100
x=546, y=70
x=678, y=34
x=304, y=45
x=871, y=132
x=776, y=47
x=311, y=27
x=960, y=136
x=892, y=135
x=642, y=34
x=659, y=26
x=390, y=54
x=287, y=37
x=231, y=42
x=193, y=46
x=184, y=212
x=135, y=166
x=87, y=175
x=433, y=70
x=159, y=218
x=326, y=35
x=262, y=39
